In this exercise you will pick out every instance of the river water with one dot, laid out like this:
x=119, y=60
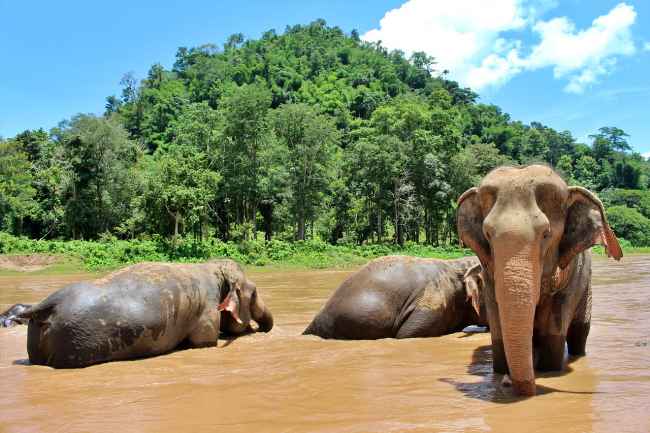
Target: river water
x=284, y=382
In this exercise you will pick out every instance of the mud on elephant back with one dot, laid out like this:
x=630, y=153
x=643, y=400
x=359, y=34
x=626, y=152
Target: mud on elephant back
x=532, y=233
x=143, y=310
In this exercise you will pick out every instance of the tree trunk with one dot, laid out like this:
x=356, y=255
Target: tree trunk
x=254, y=218
x=399, y=230
x=301, y=225
x=266, y=209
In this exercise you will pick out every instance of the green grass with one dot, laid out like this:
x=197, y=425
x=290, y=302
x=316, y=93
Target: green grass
x=627, y=250
x=97, y=256
x=113, y=253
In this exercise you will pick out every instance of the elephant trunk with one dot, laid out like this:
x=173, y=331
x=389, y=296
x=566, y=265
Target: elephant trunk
x=261, y=313
x=517, y=287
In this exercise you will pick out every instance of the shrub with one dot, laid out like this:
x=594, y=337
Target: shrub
x=630, y=224
x=110, y=252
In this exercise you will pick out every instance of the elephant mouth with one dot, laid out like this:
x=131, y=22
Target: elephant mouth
x=231, y=305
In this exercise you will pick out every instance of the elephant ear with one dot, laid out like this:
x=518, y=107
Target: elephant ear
x=231, y=304
x=586, y=225
x=469, y=221
x=474, y=284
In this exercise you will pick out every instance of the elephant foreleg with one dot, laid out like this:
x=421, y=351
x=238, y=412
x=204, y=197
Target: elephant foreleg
x=579, y=328
x=551, y=323
x=423, y=322
x=577, y=338
x=550, y=349
x=206, y=332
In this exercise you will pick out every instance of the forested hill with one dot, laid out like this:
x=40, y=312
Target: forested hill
x=307, y=134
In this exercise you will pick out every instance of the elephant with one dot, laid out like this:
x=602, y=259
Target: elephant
x=10, y=317
x=143, y=310
x=403, y=297
x=532, y=234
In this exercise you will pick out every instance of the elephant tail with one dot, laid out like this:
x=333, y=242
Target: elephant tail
x=39, y=312
x=320, y=327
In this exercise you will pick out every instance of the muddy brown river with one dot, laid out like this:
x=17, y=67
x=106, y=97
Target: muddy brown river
x=284, y=382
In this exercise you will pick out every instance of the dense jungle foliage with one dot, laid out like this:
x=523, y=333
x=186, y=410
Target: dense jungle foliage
x=307, y=135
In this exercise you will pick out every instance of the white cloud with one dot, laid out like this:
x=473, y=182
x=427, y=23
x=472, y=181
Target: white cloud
x=469, y=38
x=646, y=155
x=494, y=70
x=584, y=55
x=646, y=46
x=455, y=32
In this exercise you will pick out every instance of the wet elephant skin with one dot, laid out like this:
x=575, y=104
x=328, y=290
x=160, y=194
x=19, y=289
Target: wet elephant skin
x=139, y=311
x=10, y=317
x=400, y=297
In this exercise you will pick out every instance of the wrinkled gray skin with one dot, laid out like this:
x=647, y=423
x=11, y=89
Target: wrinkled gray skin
x=532, y=233
x=10, y=317
x=143, y=310
x=403, y=297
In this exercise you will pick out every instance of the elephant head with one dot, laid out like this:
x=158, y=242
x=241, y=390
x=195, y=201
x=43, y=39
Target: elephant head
x=474, y=282
x=244, y=303
x=526, y=226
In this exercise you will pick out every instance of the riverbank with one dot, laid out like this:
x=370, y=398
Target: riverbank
x=98, y=256
x=113, y=253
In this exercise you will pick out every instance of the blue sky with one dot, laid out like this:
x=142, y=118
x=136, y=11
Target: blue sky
x=571, y=64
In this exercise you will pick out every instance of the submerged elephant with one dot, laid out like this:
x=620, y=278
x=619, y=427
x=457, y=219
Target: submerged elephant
x=10, y=317
x=531, y=232
x=143, y=310
x=403, y=297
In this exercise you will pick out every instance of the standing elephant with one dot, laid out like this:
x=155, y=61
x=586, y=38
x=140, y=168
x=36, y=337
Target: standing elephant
x=531, y=233
x=10, y=317
x=143, y=310
x=403, y=297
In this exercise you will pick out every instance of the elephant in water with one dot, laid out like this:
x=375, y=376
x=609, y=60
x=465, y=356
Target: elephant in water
x=10, y=317
x=531, y=233
x=403, y=297
x=143, y=310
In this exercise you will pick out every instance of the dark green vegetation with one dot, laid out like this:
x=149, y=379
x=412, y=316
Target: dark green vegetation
x=111, y=252
x=309, y=135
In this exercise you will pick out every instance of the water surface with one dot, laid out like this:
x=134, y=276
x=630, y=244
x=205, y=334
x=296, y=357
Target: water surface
x=284, y=382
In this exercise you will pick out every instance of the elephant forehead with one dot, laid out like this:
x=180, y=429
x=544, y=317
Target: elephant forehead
x=522, y=178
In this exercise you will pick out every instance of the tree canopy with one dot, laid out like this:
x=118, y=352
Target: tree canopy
x=311, y=133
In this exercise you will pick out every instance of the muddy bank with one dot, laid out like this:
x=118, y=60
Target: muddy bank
x=284, y=382
x=27, y=262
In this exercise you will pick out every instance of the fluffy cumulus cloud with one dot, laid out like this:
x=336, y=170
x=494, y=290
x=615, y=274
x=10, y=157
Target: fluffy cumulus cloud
x=476, y=40
x=646, y=46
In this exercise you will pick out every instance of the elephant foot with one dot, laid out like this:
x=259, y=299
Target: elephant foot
x=577, y=338
x=499, y=362
x=551, y=353
x=524, y=388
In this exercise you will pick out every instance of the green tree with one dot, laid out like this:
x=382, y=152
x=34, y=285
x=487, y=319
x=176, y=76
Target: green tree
x=181, y=186
x=16, y=191
x=586, y=172
x=616, y=137
x=629, y=224
x=246, y=131
x=99, y=156
x=565, y=167
x=311, y=140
